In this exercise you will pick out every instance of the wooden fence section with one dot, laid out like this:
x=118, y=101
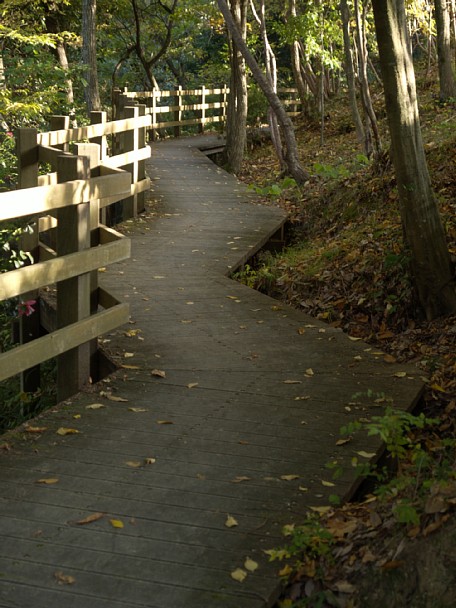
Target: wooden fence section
x=178, y=108
x=67, y=210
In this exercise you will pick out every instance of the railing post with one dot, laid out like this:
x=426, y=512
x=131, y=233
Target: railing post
x=29, y=326
x=56, y=123
x=73, y=295
x=178, y=112
x=97, y=118
x=203, y=109
x=141, y=197
x=130, y=143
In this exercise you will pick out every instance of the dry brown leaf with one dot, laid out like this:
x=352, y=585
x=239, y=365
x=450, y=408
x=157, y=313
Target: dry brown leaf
x=137, y=410
x=231, y=522
x=35, y=429
x=65, y=431
x=309, y=372
x=240, y=479
x=344, y=587
x=159, y=373
x=133, y=463
x=112, y=397
x=301, y=331
x=89, y=519
x=192, y=385
x=292, y=381
x=130, y=367
x=150, y=461
x=289, y=477
x=64, y=579
x=164, y=422
x=95, y=406
x=48, y=481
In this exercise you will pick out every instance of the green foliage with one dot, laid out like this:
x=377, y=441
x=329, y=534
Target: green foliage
x=274, y=190
x=330, y=171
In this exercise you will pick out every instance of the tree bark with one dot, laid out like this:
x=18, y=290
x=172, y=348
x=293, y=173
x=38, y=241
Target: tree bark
x=291, y=155
x=349, y=70
x=236, y=119
x=422, y=225
x=89, y=55
x=296, y=58
x=444, y=55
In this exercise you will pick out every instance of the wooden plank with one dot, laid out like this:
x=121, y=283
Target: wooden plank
x=71, y=336
x=55, y=138
x=42, y=199
x=19, y=281
x=120, y=160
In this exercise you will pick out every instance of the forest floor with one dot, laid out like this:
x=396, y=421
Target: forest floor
x=346, y=263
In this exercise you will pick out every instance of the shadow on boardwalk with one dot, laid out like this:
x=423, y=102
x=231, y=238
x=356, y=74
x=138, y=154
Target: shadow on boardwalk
x=226, y=405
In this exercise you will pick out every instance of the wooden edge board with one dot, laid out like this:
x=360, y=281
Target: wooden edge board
x=128, y=157
x=33, y=353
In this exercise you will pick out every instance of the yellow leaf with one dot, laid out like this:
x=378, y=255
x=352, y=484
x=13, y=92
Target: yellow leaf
x=250, y=565
x=240, y=478
x=116, y=523
x=232, y=297
x=327, y=484
x=343, y=441
x=64, y=579
x=192, y=385
x=302, y=398
x=77, y=416
x=286, y=570
x=289, y=477
x=128, y=355
x=353, y=339
x=366, y=454
x=133, y=463
x=95, y=406
x=437, y=387
x=288, y=529
x=231, y=522
x=150, y=461
x=292, y=381
x=400, y=374
x=130, y=367
x=131, y=333
x=137, y=410
x=309, y=372
x=48, y=481
x=165, y=422
x=303, y=489
x=239, y=575
x=321, y=510
x=64, y=431
x=89, y=519
x=159, y=373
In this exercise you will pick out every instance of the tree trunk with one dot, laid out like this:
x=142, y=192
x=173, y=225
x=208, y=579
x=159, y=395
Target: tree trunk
x=444, y=55
x=236, y=119
x=371, y=118
x=349, y=70
x=296, y=59
x=291, y=156
x=423, y=228
x=89, y=55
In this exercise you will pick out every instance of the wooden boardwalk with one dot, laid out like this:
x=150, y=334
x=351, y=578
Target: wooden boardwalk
x=228, y=406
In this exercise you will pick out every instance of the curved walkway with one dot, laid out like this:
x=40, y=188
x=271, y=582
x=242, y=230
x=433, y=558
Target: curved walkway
x=213, y=435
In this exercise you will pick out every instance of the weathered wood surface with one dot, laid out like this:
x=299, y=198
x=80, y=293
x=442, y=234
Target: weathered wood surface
x=237, y=350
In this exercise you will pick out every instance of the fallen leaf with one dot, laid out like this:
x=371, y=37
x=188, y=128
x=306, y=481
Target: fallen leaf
x=301, y=330
x=112, y=397
x=321, y=510
x=89, y=519
x=192, y=385
x=128, y=355
x=130, y=366
x=327, y=484
x=392, y=565
x=343, y=441
x=250, y=565
x=116, y=523
x=365, y=454
x=77, y=416
x=133, y=463
x=239, y=575
x=64, y=579
x=231, y=522
x=309, y=372
x=292, y=381
x=159, y=373
x=344, y=587
x=48, y=481
x=35, y=429
x=286, y=570
x=303, y=398
x=400, y=374
x=164, y=422
x=150, y=461
x=303, y=489
x=95, y=406
x=137, y=410
x=65, y=431
x=240, y=479
x=131, y=333
x=389, y=359
x=289, y=477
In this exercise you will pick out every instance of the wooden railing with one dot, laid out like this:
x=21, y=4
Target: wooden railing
x=173, y=110
x=67, y=209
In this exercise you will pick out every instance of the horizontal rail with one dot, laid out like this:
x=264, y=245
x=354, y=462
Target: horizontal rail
x=33, y=353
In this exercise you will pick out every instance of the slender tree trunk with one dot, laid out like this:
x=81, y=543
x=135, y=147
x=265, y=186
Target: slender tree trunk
x=423, y=228
x=236, y=119
x=291, y=155
x=371, y=118
x=295, y=58
x=89, y=54
x=349, y=71
x=444, y=54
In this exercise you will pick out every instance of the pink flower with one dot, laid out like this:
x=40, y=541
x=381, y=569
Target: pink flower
x=25, y=308
x=9, y=134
